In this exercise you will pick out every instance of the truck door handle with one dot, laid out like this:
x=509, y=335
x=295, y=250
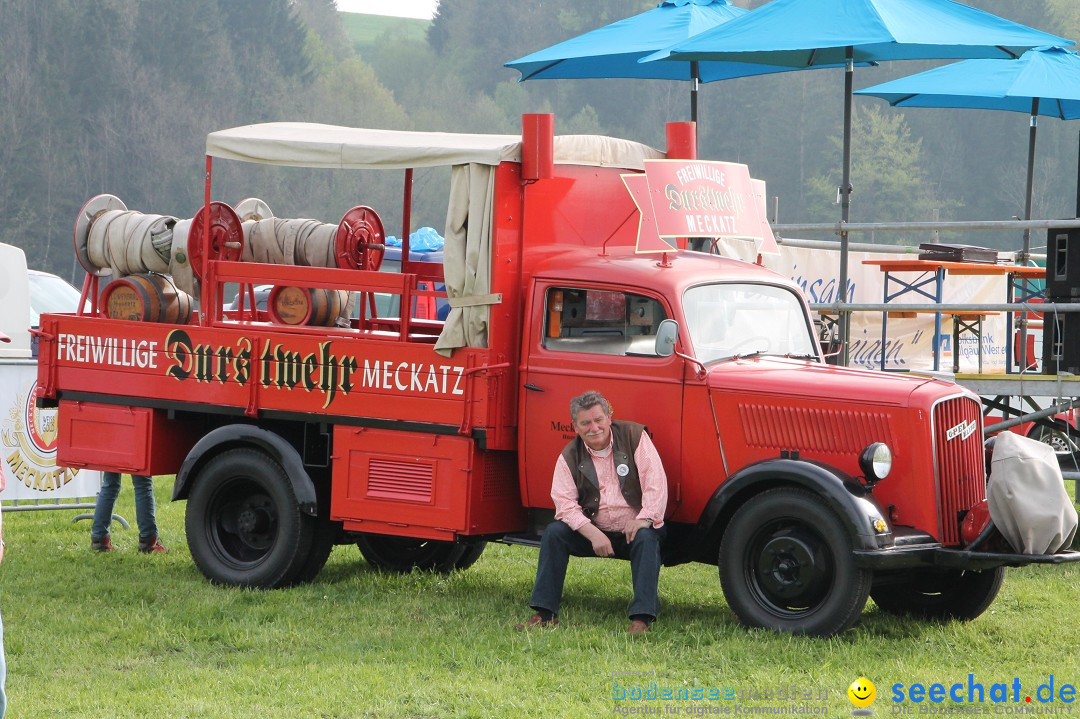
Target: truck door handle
x=534, y=388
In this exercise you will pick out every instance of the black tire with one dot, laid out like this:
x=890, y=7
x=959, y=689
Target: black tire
x=786, y=564
x=469, y=557
x=941, y=594
x=326, y=534
x=1063, y=444
x=1059, y=440
x=403, y=554
x=244, y=525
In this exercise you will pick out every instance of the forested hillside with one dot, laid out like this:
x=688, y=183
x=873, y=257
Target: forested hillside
x=117, y=96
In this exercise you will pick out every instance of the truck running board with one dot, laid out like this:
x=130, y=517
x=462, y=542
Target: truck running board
x=528, y=540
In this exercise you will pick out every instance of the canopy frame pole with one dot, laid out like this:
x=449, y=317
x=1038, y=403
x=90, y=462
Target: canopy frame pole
x=1025, y=254
x=845, y=204
x=1023, y=258
x=406, y=221
x=695, y=83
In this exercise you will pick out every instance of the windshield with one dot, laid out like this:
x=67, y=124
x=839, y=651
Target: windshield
x=49, y=294
x=726, y=320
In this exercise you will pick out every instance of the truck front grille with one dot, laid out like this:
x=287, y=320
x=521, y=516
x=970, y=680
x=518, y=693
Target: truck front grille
x=958, y=462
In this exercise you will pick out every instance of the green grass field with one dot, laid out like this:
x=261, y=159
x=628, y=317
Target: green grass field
x=130, y=635
x=365, y=30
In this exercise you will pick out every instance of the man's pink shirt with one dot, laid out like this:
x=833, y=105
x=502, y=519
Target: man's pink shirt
x=614, y=514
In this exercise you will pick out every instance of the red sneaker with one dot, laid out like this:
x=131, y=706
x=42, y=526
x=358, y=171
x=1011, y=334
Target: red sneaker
x=102, y=545
x=151, y=544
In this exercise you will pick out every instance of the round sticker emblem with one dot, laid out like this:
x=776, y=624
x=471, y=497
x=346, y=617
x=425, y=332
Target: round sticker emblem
x=623, y=470
x=40, y=424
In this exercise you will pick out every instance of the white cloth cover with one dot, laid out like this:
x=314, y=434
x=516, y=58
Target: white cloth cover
x=1027, y=497
x=305, y=144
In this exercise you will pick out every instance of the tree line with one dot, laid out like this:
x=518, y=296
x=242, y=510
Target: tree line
x=117, y=96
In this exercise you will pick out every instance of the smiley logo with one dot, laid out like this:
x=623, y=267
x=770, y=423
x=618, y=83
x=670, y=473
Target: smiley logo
x=862, y=692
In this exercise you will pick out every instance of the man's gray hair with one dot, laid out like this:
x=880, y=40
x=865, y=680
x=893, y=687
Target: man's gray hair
x=587, y=400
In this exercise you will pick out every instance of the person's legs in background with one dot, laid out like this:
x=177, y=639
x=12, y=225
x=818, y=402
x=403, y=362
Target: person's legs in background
x=103, y=511
x=146, y=513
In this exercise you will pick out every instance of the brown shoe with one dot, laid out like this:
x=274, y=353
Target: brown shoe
x=535, y=621
x=637, y=628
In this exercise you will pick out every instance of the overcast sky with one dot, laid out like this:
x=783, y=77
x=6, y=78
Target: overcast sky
x=402, y=8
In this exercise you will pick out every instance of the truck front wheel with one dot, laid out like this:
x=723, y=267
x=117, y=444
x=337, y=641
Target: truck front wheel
x=244, y=525
x=786, y=564
x=403, y=554
x=941, y=594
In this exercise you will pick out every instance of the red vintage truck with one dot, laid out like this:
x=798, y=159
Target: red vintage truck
x=812, y=487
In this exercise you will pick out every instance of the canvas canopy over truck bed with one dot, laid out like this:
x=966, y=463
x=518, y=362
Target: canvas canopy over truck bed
x=304, y=144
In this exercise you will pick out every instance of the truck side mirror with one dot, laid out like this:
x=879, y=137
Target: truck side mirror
x=666, y=334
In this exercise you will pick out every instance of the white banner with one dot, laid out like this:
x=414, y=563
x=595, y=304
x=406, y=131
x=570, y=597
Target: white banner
x=909, y=343
x=28, y=438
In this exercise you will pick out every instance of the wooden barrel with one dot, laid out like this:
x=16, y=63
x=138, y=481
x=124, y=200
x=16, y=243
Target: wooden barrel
x=146, y=297
x=326, y=307
x=303, y=306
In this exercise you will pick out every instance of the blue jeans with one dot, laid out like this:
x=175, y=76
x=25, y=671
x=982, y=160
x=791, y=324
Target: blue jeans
x=560, y=542
x=144, y=505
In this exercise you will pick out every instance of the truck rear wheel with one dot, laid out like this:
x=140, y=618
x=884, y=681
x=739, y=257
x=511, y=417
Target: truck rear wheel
x=470, y=555
x=941, y=594
x=403, y=554
x=786, y=564
x=244, y=525
x=325, y=536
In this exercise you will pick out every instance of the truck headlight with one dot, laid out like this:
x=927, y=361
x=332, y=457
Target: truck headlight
x=876, y=461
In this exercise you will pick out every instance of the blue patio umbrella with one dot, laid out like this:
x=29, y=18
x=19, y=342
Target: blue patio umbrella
x=809, y=34
x=1043, y=81
x=613, y=51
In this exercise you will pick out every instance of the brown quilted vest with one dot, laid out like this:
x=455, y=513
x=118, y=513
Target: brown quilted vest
x=625, y=439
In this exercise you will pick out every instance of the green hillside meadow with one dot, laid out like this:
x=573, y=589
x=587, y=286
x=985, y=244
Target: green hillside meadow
x=365, y=31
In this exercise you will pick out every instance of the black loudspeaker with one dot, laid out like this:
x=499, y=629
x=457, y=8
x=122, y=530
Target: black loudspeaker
x=1063, y=264
x=1061, y=343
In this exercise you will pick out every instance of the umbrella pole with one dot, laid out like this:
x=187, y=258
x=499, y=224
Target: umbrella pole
x=1078, y=177
x=845, y=207
x=695, y=80
x=1025, y=255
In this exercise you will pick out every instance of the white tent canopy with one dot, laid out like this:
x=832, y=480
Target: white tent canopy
x=467, y=256
x=305, y=144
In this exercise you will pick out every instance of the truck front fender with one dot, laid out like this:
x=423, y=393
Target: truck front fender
x=851, y=501
x=246, y=435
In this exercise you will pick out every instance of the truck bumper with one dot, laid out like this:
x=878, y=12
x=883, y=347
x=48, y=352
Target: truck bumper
x=935, y=555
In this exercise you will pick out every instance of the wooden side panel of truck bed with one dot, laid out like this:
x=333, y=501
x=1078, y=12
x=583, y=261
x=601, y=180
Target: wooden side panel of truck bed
x=334, y=376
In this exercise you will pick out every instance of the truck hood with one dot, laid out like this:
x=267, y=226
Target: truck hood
x=767, y=405
x=781, y=377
